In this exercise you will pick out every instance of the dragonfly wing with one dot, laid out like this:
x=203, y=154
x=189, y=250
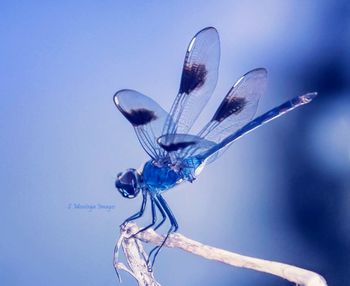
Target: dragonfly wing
x=199, y=77
x=184, y=145
x=212, y=153
x=146, y=116
x=238, y=107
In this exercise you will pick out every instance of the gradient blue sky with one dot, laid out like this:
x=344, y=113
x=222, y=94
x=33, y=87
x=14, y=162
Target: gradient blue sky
x=63, y=141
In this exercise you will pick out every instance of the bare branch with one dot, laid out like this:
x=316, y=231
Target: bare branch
x=136, y=258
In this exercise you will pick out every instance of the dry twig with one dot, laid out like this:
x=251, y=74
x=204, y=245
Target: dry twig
x=136, y=257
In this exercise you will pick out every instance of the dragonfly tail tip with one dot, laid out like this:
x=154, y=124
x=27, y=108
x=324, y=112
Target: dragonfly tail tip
x=306, y=98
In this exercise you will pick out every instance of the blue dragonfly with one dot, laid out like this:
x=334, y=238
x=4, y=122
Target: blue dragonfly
x=177, y=156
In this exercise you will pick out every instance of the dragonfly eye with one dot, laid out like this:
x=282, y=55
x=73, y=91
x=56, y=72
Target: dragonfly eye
x=127, y=183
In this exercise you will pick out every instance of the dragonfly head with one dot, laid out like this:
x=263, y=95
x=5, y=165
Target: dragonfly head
x=128, y=183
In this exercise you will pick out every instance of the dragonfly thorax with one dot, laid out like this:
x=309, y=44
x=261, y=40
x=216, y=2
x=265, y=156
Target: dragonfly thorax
x=160, y=177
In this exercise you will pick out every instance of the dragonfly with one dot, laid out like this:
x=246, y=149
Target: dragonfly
x=176, y=155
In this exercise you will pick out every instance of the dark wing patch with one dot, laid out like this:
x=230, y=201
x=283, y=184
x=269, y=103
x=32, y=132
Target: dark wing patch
x=138, y=117
x=238, y=106
x=182, y=146
x=193, y=76
x=176, y=146
x=233, y=105
x=198, y=80
x=146, y=116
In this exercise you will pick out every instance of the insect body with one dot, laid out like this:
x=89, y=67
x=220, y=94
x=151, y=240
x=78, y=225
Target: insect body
x=160, y=178
x=175, y=155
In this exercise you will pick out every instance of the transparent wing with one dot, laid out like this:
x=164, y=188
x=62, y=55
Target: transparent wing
x=199, y=77
x=146, y=116
x=184, y=145
x=238, y=107
x=212, y=153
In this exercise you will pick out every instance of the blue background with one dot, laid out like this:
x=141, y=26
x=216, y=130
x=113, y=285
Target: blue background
x=280, y=193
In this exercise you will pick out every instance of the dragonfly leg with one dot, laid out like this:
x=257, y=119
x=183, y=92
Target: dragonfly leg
x=154, y=218
x=162, y=212
x=174, y=226
x=140, y=212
